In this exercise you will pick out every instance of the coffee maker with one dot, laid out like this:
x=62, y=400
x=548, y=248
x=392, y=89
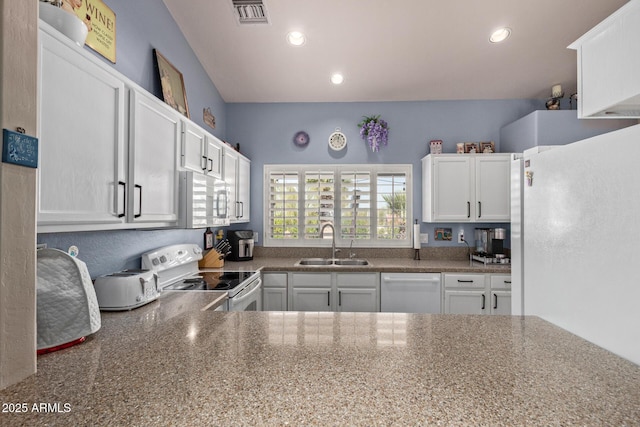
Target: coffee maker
x=241, y=245
x=489, y=245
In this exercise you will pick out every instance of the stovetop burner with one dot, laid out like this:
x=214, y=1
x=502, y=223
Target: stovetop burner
x=486, y=258
x=210, y=281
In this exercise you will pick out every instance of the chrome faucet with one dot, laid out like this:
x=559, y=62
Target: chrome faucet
x=470, y=253
x=352, y=255
x=333, y=238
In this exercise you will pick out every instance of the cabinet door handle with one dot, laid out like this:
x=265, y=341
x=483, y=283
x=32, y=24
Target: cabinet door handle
x=465, y=281
x=508, y=282
x=479, y=209
x=329, y=298
x=242, y=210
x=210, y=162
x=139, y=214
x=468, y=209
x=340, y=298
x=124, y=198
x=483, y=300
x=495, y=301
x=204, y=167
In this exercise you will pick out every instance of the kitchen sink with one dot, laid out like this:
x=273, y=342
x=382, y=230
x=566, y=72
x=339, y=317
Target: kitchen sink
x=351, y=262
x=332, y=262
x=315, y=261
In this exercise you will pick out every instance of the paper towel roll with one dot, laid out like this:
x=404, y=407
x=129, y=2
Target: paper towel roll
x=416, y=236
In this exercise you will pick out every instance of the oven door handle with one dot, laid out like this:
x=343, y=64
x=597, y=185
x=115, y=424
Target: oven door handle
x=249, y=294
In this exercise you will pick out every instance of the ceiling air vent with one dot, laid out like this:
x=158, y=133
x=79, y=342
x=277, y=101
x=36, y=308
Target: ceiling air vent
x=250, y=11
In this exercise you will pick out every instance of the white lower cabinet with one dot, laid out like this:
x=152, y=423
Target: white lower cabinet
x=468, y=293
x=274, y=291
x=358, y=292
x=328, y=291
x=500, y=293
x=311, y=291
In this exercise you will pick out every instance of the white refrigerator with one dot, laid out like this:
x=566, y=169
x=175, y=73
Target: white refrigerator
x=576, y=239
x=517, y=231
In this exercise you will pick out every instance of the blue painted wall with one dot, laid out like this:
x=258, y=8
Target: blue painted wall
x=265, y=133
x=144, y=25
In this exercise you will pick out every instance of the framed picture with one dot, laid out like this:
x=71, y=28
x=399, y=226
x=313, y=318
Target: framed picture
x=172, y=84
x=471, y=147
x=487, y=147
x=442, y=234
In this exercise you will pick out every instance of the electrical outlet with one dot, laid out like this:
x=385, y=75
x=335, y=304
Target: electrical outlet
x=255, y=237
x=461, y=236
x=424, y=237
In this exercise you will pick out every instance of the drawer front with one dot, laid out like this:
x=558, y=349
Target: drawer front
x=501, y=281
x=475, y=281
x=357, y=280
x=311, y=280
x=274, y=280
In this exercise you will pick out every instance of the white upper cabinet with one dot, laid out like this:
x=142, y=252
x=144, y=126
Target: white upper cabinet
x=609, y=66
x=446, y=186
x=237, y=174
x=154, y=139
x=200, y=152
x=81, y=175
x=244, y=189
x=466, y=188
x=110, y=152
x=493, y=188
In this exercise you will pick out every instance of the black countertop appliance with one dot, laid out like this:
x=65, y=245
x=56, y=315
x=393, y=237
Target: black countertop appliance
x=241, y=245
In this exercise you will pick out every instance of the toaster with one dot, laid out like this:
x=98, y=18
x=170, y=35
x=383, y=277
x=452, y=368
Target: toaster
x=126, y=290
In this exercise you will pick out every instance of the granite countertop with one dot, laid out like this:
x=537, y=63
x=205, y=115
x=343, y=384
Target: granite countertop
x=392, y=265
x=170, y=363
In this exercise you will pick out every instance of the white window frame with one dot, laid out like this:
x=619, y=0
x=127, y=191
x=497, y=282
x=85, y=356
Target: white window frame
x=373, y=170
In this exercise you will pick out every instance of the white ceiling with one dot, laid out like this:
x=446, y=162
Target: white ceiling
x=390, y=50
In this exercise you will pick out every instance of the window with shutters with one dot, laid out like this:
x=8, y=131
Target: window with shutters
x=282, y=205
x=367, y=204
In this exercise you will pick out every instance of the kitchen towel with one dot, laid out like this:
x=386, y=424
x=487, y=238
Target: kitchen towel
x=416, y=236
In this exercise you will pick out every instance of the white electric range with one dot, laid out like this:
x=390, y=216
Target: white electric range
x=177, y=270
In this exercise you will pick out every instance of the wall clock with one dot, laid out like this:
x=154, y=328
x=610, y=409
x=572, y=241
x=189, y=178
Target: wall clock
x=301, y=139
x=337, y=140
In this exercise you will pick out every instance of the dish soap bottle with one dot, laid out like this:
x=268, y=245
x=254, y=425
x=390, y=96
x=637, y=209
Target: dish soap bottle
x=208, y=239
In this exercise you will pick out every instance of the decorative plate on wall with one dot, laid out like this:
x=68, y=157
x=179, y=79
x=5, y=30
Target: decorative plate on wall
x=337, y=140
x=301, y=139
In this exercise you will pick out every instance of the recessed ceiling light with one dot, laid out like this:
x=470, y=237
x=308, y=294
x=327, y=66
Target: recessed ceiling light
x=500, y=35
x=296, y=38
x=337, y=78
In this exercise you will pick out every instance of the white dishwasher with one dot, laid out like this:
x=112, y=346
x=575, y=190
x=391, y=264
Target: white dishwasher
x=410, y=293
